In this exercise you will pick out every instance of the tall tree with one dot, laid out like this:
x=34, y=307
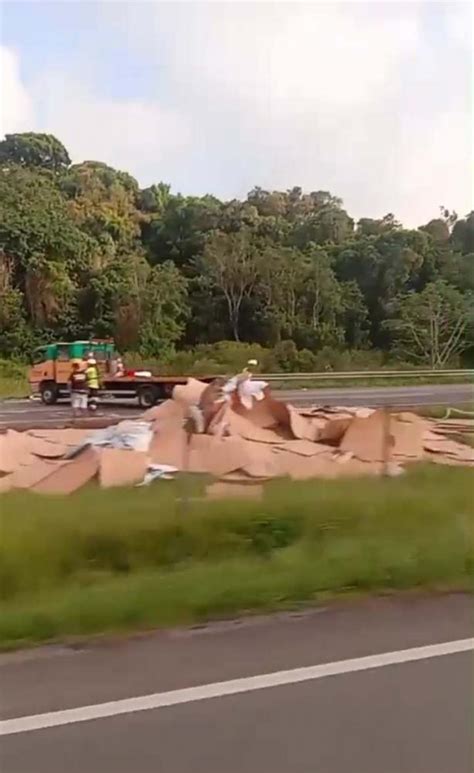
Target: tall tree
x=463, y=234
x=232, y=264
x=103, y=202
x=164, y=310
x=433, y=326
x=47, y=248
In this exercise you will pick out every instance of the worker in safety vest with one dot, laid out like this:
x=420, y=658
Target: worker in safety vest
x=93, y=383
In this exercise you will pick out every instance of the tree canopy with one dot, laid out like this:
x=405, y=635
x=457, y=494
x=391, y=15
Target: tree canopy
x=85, y=251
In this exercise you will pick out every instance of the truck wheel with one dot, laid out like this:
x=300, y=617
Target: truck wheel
x=49, y=392
x=147, y=397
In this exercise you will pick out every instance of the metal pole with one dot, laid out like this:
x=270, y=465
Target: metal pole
x=387, y=441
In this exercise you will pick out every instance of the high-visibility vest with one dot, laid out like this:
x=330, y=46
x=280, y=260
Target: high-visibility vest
x=92, y=376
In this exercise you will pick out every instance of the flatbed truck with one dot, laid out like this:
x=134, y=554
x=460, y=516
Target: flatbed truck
x=51, y=368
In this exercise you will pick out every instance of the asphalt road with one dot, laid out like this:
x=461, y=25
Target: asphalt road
x=387, y=713
x=26, y=413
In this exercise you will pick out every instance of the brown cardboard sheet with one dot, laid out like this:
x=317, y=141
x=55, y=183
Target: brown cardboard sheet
x=189, y=393
x=304, y=468
x=303, y=447
x=216, y=456
x=438, y=458
x=119, y=467
x=168, y=411
x=15, y=450
x=169, y=447
x=449, y=447
x=365, y=437
x=302, y=427
x=70, y=476
x=262, y=461
x=26, y=477
x=267, y=413
x=335, y=428
x=62, y=437
x=407, y=438
x=237, y=424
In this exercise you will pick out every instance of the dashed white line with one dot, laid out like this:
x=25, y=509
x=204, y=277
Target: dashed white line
x=158, y=700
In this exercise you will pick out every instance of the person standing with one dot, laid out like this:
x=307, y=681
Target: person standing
x=79, y=390
x=92, y=378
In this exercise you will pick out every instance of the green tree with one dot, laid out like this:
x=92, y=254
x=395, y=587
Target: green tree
x=34, y=150
x=38, y=234
x=433, y=326
x=231, y=262
x=103, y=202
x=164, y=310
x=354, y=315
x=462, y=236
x=383, y=267
x=281, y=282
x=176, y=230
x=438, y=229
x=14, y=334
x=367, y=226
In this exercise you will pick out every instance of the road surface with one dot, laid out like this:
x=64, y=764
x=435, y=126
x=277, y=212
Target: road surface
x=376, y=686
x=26, y=413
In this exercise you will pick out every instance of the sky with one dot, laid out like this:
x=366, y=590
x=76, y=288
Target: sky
x=371, y=101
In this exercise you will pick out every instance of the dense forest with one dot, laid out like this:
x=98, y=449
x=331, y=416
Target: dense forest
x=84, y=251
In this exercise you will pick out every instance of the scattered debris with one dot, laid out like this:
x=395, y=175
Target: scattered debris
x=236, y=432
x=155, y=471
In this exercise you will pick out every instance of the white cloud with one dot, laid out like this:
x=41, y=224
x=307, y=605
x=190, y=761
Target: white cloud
x=129, y=134
x=16, y=110
x=371, y=101
x=293, y=56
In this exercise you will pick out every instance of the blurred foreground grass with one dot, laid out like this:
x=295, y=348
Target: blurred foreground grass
x=135, y=558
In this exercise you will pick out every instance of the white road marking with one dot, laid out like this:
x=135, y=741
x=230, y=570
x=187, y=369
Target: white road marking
x=247, y=684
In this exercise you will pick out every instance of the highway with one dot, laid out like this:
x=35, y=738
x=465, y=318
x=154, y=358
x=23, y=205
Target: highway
x=26, y=413
x=382, y=685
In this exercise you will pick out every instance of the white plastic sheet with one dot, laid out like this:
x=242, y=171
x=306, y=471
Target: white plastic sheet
x=158, y=471
x=127, y=435
x=247, y=390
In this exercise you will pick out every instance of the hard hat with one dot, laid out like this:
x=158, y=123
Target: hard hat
x=91, y=361
x=252, y=362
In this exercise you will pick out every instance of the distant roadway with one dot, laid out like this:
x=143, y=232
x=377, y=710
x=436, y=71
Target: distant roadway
x=374, y=686
x=26, y=413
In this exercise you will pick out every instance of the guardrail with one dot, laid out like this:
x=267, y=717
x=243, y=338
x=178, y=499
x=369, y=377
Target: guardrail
x=364, y=374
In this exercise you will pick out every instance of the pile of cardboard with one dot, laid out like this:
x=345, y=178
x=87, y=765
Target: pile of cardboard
x=199, y=431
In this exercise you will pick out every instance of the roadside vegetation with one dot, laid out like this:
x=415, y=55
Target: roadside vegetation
x=227, y=358
x=84, y=251
x=127, y=560
x=13, y=379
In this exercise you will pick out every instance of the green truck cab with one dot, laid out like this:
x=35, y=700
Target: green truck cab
x=51, y=365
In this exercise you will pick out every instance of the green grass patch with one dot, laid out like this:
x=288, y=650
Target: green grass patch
x=369, y=381
x=13, y=379
x=132, y=559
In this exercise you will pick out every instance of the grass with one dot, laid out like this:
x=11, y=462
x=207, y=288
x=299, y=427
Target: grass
x=131, y=559
x=370, y=381
x=13, y=379
x=14, y=387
